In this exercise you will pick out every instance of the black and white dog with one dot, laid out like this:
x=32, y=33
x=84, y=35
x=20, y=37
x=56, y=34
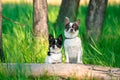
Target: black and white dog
x=55, y=47
x=72, y=43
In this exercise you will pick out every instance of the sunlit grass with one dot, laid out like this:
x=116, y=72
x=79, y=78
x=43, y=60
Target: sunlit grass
x=18, y=39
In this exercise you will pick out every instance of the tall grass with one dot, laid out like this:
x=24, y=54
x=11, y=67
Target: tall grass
x=18, y=43
x=18, y=39
x=107, y=50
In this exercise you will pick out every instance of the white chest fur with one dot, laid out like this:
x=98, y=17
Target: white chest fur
x=73, y=49
x=54, y=58
x=72, y=42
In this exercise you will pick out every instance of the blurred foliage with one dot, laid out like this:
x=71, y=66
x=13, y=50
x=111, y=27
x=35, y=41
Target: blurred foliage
x=18, y=40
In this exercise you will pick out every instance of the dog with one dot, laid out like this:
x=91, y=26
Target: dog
x=55, y=46
x=72, y=43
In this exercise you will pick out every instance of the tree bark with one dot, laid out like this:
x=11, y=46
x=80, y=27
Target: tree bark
x=95, y=17
x=1, y=49
x=69, y=9
x=40, y=18
x=78, y=71
x=40, y=27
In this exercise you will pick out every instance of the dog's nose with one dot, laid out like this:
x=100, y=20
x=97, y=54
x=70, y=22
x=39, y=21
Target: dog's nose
x=71, y=30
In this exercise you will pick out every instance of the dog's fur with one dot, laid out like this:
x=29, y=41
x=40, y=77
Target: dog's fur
x=72, y=43
x=55, y=47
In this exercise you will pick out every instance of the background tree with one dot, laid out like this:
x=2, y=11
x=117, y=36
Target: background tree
x=40, y=18
x=40, y=27
x=1, y=50
x=95, y=17
x=68, y=8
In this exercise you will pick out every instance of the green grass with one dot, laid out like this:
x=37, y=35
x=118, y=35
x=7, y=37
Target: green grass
x=18, y=39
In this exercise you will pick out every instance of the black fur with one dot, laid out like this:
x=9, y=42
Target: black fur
x=75, y=27
x=49, y=54
x=67, y=26
x=55, y=41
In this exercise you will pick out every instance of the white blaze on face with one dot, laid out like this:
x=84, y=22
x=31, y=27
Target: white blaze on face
x=55, y=45
x=71, y=24
x=70, y=27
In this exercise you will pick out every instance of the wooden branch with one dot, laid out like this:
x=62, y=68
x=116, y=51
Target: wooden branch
x=78, y=71
x=12, y=21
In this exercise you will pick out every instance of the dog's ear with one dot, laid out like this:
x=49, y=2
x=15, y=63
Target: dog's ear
x=50, y=37
x=77, y=22
x=67, y=20
x=60, y=38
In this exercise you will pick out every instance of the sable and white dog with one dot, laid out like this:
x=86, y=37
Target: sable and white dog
x=72, y=43
x=55, y=47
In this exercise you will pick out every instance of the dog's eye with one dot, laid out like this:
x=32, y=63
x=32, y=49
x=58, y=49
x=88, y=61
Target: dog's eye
x=52, y=43
x=58, y=45
x=75, y=27
x=67, y=27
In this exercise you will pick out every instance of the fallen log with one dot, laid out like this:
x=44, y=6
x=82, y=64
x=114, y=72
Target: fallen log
x=79, y=71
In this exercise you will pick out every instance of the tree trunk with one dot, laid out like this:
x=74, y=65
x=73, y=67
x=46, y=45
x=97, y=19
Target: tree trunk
x=77, y=71
x=40, y=27
x=95, y=17
x=1, y=50
x=69, y=9
x=40, y=18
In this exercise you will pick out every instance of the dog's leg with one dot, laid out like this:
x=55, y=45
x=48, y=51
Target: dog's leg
x=51, y=60
x=59, y=61
x=79, y=59
x=67, y=57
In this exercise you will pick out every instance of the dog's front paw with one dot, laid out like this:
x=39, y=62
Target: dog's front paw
x=67, y=62
x=80, y=62
x=54, y=63
x=59, y=62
